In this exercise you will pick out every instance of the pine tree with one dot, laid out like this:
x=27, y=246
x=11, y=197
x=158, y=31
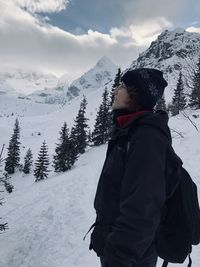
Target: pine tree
x=63, y=159
x=103, y=122
x=115, y=85
x=79, y=136
x=13, y=159
x=8, y=186
x=42, y=163
x=179, y=100
x=72, y=155
x=161, y=104
x=194, y=101
x=3, y=226
x=28, y=161
x=89, y=136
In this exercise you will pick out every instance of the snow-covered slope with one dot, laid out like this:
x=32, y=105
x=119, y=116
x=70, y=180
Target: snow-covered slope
x=172, y=52
x=12, y=104
x=47, y=220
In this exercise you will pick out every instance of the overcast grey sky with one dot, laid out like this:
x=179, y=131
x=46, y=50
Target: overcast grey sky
x=69, y=36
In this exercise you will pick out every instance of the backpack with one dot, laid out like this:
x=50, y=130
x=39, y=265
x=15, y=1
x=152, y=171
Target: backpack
x=179, y=228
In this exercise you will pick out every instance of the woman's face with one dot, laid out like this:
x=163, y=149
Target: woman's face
x=121, y=97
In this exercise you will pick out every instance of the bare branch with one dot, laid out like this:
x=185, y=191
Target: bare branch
x=179, y=133
x=3, y=226
x=187, y=116
x=1, y=203
x=2, y=153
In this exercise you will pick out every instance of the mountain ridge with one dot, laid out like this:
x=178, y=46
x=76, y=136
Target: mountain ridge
x=172, y=52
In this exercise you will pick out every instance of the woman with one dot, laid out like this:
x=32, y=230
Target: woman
x=131, y=190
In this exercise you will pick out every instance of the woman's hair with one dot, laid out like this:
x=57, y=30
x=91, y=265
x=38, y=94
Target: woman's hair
x=133, y=94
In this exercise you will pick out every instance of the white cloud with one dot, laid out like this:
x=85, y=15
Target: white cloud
x=193, y=29
x=143, y=33
x=27, y=42
x=42, y=5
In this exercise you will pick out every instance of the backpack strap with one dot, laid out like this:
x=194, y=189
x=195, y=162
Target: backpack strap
x=190, y=261
x=92, y=226
x=165, y=263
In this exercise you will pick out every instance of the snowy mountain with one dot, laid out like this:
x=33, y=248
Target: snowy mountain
x=58, y=91
x=15, y=87
x=172, y=52
x=101, y=75
x=52, y=95
x=53, y=90
x=26, y=82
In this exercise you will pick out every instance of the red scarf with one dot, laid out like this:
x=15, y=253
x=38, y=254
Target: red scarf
x=124, y=119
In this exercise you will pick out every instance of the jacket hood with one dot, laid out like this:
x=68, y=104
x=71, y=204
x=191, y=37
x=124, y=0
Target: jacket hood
x=159, y=120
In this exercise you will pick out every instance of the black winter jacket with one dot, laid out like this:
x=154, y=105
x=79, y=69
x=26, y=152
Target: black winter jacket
x=132, y=190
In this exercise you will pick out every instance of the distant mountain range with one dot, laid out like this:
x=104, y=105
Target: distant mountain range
x=51, y=90
x=101, y=75
x=23, y=82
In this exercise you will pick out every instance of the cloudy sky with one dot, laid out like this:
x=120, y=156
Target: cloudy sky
x=69, y=36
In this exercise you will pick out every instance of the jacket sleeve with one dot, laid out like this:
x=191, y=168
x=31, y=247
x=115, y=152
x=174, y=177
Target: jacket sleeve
x=142, y=197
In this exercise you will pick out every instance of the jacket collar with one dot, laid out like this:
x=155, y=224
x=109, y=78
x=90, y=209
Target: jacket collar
x=132, y=121
x=123, y=120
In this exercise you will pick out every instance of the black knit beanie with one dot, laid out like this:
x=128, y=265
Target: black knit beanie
x=149, y=84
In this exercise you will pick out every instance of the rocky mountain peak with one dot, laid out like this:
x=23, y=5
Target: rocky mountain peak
x=172, y=52
x=105, y=62
x=178, y=42
x=98, y=76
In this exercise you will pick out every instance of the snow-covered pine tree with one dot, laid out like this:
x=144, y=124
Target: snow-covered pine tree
x=13, y=159
x=28, y=161
x=115, y=84
x=42, y=163
x=161, y=104
x=194, y=101
x=103, y=122
x=178, y=100
x=63, y=152
x=79, y=135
